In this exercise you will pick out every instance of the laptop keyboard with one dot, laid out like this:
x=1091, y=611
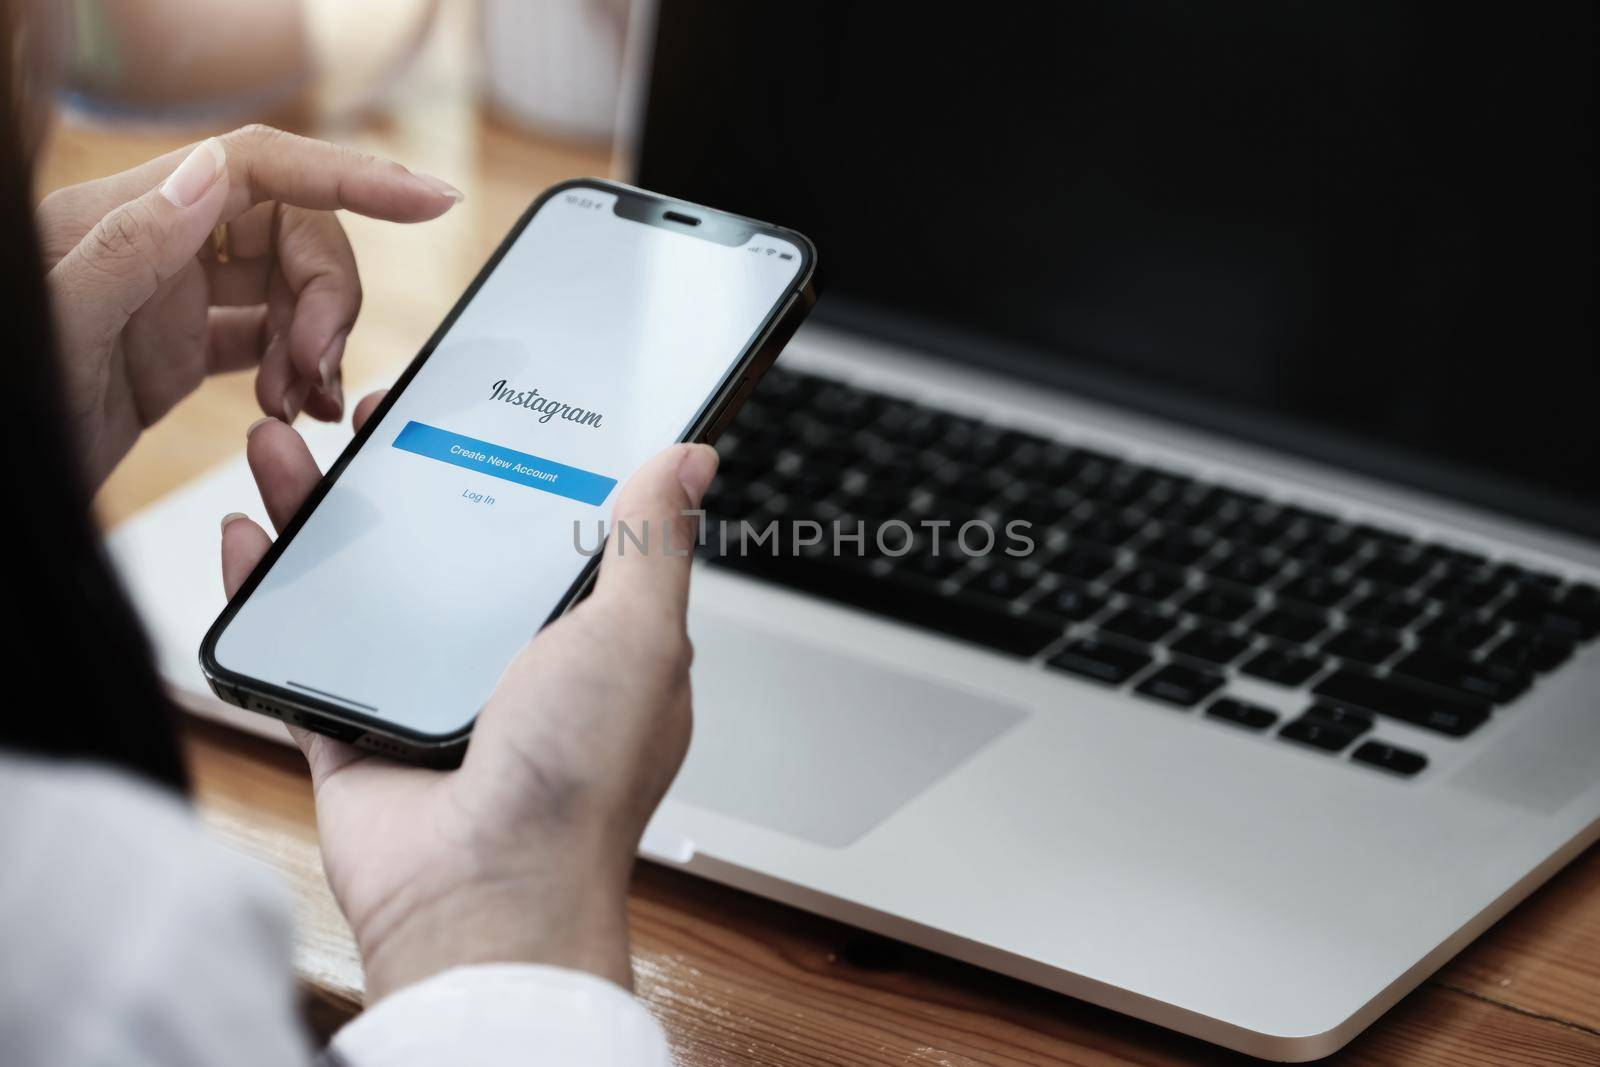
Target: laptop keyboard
x=1140, y=578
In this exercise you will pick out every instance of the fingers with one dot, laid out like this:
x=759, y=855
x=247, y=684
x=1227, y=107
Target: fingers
x=139, y=244
x=285, y=474
x=366, y=406
x=317, y=263
x=278, y=392
x=323, y=754
x=243, y=545
x=646, y=564
x=302, y=263
x=235, y=338
x=269, y=164
x=284, y=470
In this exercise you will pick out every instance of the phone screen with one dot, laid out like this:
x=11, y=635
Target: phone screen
x=454, y=532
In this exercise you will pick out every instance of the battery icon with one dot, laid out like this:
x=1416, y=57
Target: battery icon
x=785, y=255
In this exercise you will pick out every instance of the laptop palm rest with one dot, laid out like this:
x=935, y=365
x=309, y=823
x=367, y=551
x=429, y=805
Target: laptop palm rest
x=814, y=742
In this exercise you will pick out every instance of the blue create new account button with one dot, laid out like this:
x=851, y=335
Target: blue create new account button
x=519, y=467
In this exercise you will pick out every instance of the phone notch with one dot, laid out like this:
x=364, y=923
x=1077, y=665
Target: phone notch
x=638, y=206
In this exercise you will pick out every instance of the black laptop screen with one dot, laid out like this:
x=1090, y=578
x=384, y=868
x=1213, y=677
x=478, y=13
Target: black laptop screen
x=1363, y=231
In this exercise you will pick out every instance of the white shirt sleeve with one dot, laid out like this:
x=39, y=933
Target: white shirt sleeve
x=504, y=1013
x=130, y=939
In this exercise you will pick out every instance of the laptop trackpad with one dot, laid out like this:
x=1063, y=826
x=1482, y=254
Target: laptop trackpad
x=815, y=742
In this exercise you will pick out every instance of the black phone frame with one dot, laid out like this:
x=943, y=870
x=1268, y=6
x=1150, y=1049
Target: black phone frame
x=371, y=732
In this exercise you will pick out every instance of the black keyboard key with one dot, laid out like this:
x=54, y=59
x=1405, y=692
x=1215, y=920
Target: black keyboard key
x=1110, y=529
x=1258, y=529
x=973, y=489
x=806, y=485
x=1582, y=595
x=1250, y=569
x=1456, y=716
x=1150, y=584
x=929, y=567
x=980, y=620
x=1233, y=504
x=1191, y=506
x=845, y=407
x=1456, y=634
x=1101, y=660
x=1397, y=572
x=1250, y=716
x=1282, y=666
x=1223, y=605
x=1069, y=601
x=1000, y=581
x=1180, y=685
x=1494, y=682
x=834, y=459
x=1317, y=588
x=1140, y=623
x=1212, y=644
x=1291, y=626
x=873, y=501
x=1090, y=469
x=784, y=387
x=1563, y=617
x=953, y=513
x=1083, y=562
x=1177, y=547
x=1124, y=486
x=1317, y=735
x=1531, y=651
x=1328, y=550
x=1385, y=610
x=1471, y=589
x=1362, y=645
x=1386, y=540
x=1349, y=719
x=1401, y=761
x=1043, y=511
x=1455, y=558
x=729, y=502
x=1526, y=577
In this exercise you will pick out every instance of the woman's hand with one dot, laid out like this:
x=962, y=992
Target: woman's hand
x=524, y=852
x=146, y=308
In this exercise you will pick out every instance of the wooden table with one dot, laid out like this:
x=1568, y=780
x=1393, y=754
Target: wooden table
x=736, y=979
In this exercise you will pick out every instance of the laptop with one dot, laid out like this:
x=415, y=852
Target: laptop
x=1271, y=322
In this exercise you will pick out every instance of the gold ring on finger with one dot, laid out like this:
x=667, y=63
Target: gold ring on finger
x=220, y=248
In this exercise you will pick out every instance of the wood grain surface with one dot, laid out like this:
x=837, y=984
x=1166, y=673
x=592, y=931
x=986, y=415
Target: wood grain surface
x=738, y=980
x=735, y=979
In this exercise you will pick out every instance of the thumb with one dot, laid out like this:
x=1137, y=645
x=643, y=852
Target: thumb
x=647, y=555
x=139, y=245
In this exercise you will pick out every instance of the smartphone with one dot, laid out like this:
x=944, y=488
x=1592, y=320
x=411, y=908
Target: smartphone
x=610, y=323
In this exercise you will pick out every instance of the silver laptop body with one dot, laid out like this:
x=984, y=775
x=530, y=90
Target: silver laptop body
x=1158, y=861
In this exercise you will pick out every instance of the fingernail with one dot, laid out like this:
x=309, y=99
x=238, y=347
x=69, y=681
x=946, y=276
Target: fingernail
x=336, y=394
x=698, y=467
x=230, y=516
x=329, y=363
x=263, y=420
x=440, y=186
x=197, y=173
x=294, y=398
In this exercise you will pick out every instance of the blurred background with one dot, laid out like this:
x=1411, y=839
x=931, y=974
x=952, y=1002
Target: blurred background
x=499, y=97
